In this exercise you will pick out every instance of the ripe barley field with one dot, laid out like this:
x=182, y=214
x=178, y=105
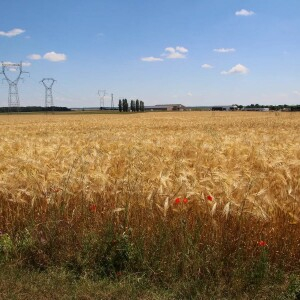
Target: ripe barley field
x=190, y=197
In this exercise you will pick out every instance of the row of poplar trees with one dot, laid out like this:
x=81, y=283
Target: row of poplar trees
x=135, y=105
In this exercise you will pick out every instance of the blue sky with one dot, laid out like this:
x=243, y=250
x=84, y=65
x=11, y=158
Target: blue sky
x=194, y=52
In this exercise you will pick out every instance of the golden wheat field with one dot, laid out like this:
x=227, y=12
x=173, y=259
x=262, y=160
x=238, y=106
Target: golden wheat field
x=248, y=161
x=165, y=184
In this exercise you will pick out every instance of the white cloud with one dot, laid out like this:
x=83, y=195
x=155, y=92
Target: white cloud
x=189, y=94
x=12, y=32
x=238, y=69
x=51, y=56
x=244, y=13
x=170, y=49
x=34, y=56
x=296, y=93
x=170, y=52
x=55, y=57
x=224, y=50
x=182, y=49
x=26, y=64
x=206, y=66
x=151, y=59
x=175, y=53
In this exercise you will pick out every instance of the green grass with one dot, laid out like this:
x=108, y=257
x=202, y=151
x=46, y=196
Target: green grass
x=59, y=284
x=16, y=283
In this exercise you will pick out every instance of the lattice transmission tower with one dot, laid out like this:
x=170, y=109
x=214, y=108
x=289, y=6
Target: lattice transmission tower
x=112, y=102
x=102, y=94
x=13, y=94
x=48, y=83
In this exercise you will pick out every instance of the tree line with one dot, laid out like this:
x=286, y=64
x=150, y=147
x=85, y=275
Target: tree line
x=32, y=109
x=135, y=106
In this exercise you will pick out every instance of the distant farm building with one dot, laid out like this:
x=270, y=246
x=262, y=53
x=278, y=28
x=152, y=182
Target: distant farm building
x=166, y=107
x=256, y=109
x=233, y=107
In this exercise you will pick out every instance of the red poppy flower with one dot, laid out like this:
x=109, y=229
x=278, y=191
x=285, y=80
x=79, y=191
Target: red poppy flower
x=262, y=243
x=93, y=208
x=210, y=198
x=185, y=200
x=177, y=200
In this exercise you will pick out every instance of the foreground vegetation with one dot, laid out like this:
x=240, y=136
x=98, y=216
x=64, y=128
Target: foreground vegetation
x=59, y=284
x=189, y=205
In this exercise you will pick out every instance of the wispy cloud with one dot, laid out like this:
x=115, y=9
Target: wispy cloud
x=12, y=33
x=206, y=66
x=170, y=53
x=175, y=53
x=224, y=50
x=238, y=69
x=26, y=64
x=244, y=13
x=151, y=59
x=51, y=56
x=181, y=49
x=34, y=56
x=189, y=94
x=55, y=57
x=296, y=93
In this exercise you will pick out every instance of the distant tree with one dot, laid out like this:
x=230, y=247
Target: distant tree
x=142, y=108
x=132, y=105
x=32, y=109
x=125, y=105
x=120, y=106
x=137, y=105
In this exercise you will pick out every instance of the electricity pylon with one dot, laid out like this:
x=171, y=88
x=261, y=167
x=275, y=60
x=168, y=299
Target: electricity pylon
x=13, y=94
x=112, y=102
x=102, y=94
x=48, y=83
